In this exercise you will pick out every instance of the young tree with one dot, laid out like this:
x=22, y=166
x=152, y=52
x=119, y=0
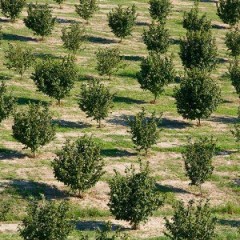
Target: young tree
x=134, y=197
x=229, y=11
x=12, y=9
x=236, y=128
x=86, y=9
x=7, y=103
x=73, y=37
x=46, y=220
x=193, y=22
x=234, y=74
x=59, y=2
x=19, y=58
x=96, y=100
x=233, y=41
x=198, y=49
x=198, y=95
x=193, y=222
x=79, y=165
x=198, y=160
x=144, y=130
x=40, y=19
x=156, y=38
x=108, y=61
x=160, y=9
x=34, y=127
x=156, y=72
x=55, y=78
x=121, y=21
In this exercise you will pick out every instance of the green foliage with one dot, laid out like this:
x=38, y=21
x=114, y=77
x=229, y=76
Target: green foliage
x=34, y=127
x=160, y=9
x=5, y=207
x=156, y=72
x=59, y=2
x=229, y=11
x=156, y=38
x=236, y=128
x=233, y=41
x=192, y=20
x=134, y=197
x=144, y=130
x=198, y=160
x=55, y=78
x=79, y=165
x=198, y=95
x=234, y=74
x=108, y=61
x=19, y=58
x=198, y=49
x=121, y=21
x=193, y=222
x=73, y=37
x=95, y=100
x=7, y=103
x=86, y=8
x=46, y=220
x=40, y=19
x=12, y=9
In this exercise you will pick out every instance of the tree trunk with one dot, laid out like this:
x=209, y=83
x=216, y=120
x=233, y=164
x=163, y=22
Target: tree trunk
x=199, y=122
x=59, y=102
x=136, y=226
x=80, y=193
x=200, y=189
x=99, y=123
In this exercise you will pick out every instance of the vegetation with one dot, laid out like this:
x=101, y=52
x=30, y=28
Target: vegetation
x=79, y=165
x=234, y=74
x=34, y=127
x=95, y=100
x=233, y=41
x=40, y=19
x=55, y=78
x=121, y=21
x=60, y=2
x=128, y=193
x=195, y=221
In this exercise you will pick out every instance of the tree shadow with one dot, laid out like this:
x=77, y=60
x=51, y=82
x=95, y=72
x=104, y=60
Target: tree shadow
x=231, y=223
x=94, y=225
x=116, y=153
x=25, y=101
x=169, y=188
x=127, y=74
x=70, y=124
x=8, y=154
x=217, y=26
x=62, y=20
x=85, y=78
x=142, y=23
x=174, y=124
x=44, y=56
x=212, y=1
x=4, y=20
x=27, y=189
x=14, y=37
x=4, y=77
x=174, y=41
x=132, y=58
x=222, y=60
x=101, y=40
x=127, y=100
x=226, y=120
x=121, y=120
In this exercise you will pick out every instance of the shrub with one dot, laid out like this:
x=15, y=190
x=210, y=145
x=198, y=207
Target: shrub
x=86, y=9
x=193, y=222
x=12, y=9
x=236, y=128
x=5, y=207
x=46, y=220
x=198, y=160
x=192, y=20
x=234, y=74
x=33, y=127
x=229, y=11
x=144, y=130
x=79, y=164
x=156, y=38
x=108, y=61
x=55, y=78
x=233, y=41
x=160, y=9
x=7, y=103
x=73, y=37
x=59, y=2
x=19, y=58
x=198, y=95
x=156, y=72
x=40, y=19
x=96, y=100
x=134, y=197
x=121, y=21
x=198, y=49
